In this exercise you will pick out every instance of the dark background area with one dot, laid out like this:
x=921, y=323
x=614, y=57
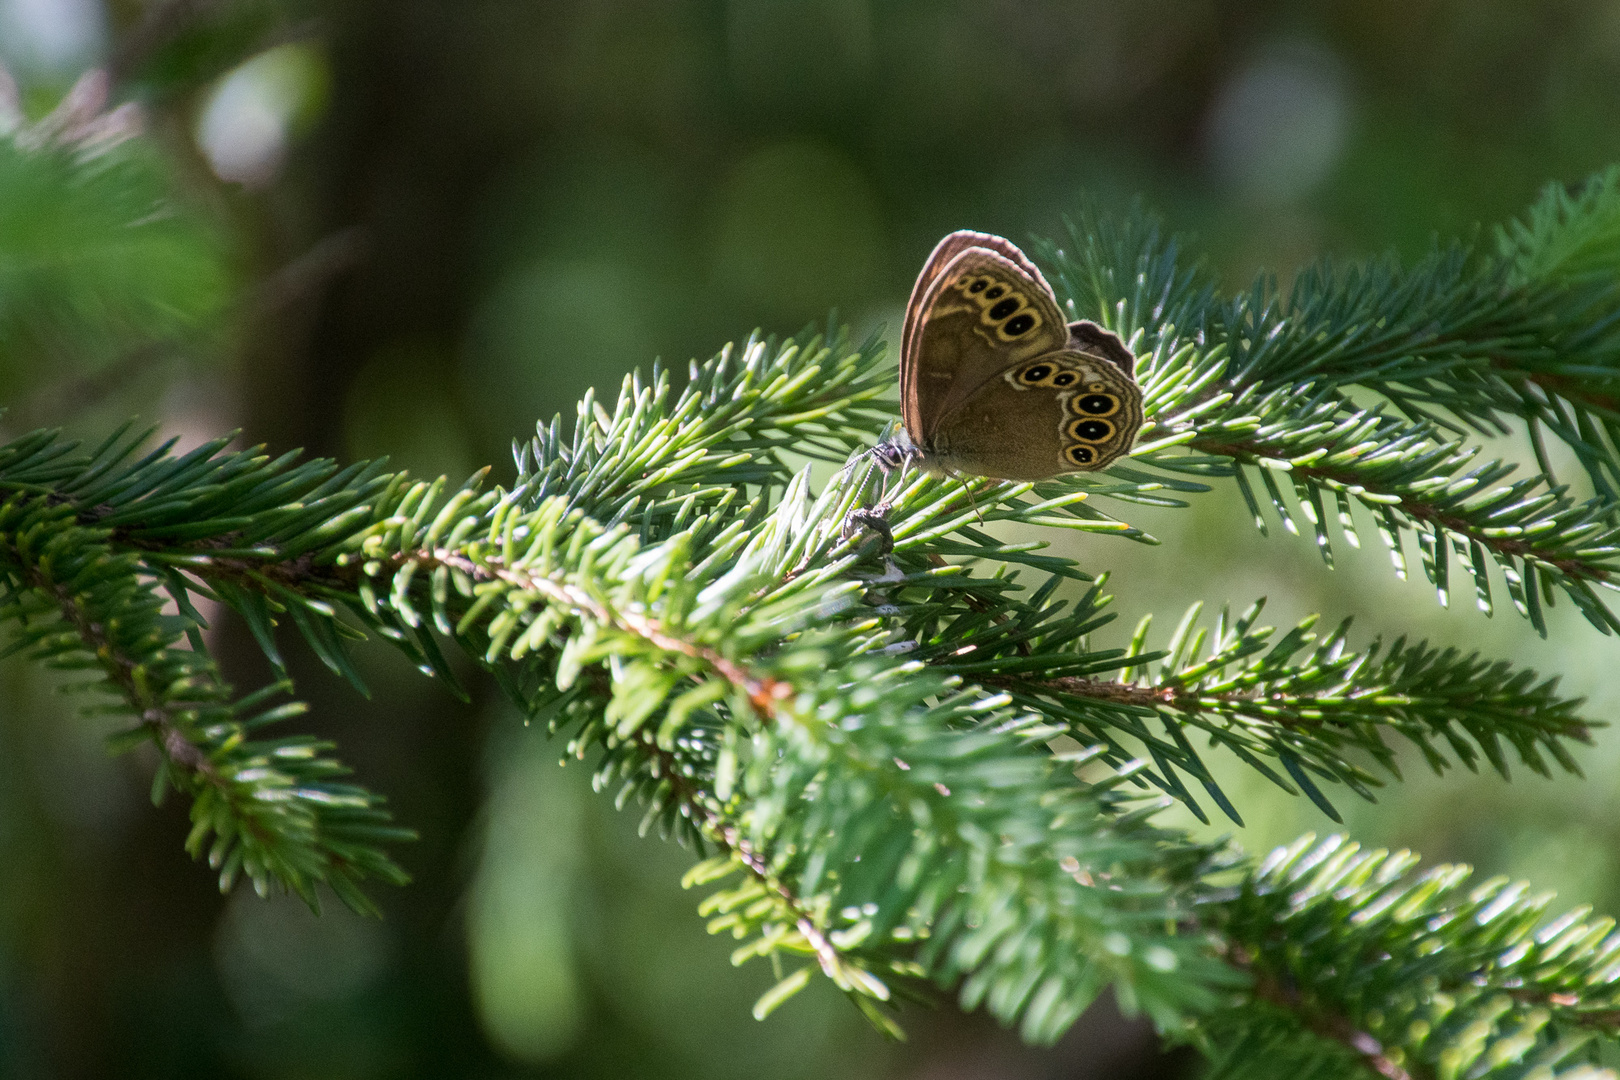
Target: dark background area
x=446, y=219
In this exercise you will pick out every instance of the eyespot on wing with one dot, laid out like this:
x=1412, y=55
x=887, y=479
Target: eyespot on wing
x=1090, y=430
x=1094, y=404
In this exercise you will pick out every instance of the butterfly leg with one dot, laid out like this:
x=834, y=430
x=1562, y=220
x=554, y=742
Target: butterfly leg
x=876, y=519
x=967, y=489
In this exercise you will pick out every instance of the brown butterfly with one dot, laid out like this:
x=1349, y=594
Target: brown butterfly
x=994, y=383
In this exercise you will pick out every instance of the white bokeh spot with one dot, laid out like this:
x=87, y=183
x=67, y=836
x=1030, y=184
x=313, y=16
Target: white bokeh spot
x=53, y=36
x=245, y=127
x=1278, y=126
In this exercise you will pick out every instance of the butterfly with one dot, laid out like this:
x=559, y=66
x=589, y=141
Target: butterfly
x=994, y=382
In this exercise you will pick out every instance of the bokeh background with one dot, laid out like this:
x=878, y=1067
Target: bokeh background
x=444, y=219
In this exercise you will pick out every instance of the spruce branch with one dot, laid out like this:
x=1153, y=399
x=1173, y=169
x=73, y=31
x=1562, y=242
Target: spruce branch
x=833, y=727
x=1467, y=330
x=1409, y=971
x=273, y=810
x=1255, y=387
x=757, y=652
x=1414, y=483
x=1306, y=705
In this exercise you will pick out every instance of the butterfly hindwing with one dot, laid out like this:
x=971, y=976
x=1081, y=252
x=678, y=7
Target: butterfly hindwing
x=1056, y=413
x=1087, y=336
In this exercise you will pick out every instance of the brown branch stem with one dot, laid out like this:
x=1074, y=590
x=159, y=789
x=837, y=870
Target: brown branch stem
x=724, y=834
x=1332, y=1026
x=1180, y=698
x=765, y=692
x=1283, y=992
x=158, y=717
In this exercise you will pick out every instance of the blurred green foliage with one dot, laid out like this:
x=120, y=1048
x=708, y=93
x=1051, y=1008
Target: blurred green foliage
x=90, y=281
x=548, y=194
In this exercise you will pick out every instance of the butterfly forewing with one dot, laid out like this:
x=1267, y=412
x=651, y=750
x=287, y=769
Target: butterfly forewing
x=981, y=315
x=945, y=251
